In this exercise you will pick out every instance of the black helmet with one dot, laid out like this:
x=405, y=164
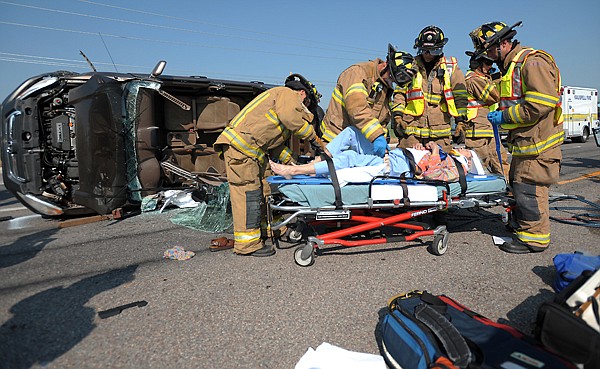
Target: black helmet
x=402, y=67
x=430, y=39
x=492, y=33
x=298, y=82
x=476, y=59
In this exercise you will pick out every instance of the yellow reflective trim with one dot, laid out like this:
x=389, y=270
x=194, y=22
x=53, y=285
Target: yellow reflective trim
x=337, y=96
x=543, y=99
x=427, y=132
x=326, y=134
x=247, y=237
x=538, y=147
x=433, y=98
x=239, y=143
x=305, y=131
x=248, y=108
x=357, y=87
x=532, y=237
x=285, y=155
x=369, y=129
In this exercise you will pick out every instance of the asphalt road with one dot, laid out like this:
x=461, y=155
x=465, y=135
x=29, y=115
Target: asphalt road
x=219, y=310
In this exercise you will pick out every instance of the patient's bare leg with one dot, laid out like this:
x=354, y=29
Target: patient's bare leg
x=288, y=171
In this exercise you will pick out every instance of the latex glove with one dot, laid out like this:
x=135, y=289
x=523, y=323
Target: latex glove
x=495, y=117
x=380, y=146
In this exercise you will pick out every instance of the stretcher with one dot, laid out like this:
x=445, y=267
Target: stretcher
x=386, y=207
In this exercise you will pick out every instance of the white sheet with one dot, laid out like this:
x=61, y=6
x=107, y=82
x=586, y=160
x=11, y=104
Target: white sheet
x=421, y=192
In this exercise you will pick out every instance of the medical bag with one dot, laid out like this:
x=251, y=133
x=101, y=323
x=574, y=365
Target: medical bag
x=421, y=331
x=570, y=266
x=570, y=325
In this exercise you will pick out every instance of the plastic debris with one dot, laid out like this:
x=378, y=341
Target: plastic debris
x=178, y=253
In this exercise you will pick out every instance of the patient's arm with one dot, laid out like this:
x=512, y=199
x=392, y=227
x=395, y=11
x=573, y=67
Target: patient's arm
x=288, y=171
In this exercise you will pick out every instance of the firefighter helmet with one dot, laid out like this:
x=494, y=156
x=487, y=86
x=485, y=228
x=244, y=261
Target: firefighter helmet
x=493, y=33
x=298, y=82
x=401, y=64
x=430, y=39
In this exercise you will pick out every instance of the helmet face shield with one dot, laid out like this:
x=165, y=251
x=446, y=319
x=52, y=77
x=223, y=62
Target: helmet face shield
x=431, y=39
x=434, y=52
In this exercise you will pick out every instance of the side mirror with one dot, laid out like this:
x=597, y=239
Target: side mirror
x=160, y=67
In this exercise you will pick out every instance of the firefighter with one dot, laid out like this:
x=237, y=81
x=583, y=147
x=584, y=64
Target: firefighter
x=530, y=110
x=255, y=135
x=361, y=98
x=423, y=109
x=477, y=133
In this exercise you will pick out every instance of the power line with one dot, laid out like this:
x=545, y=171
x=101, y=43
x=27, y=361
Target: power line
x=185, y=43
x=223, y=26
x=166, y=27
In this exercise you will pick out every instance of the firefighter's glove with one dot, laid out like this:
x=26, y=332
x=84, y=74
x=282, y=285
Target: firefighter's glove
x=317, y=145
x=380, y=146
x=459, y=134
x=496, y=118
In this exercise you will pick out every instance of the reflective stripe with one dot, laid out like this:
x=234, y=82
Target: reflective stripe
x=369, y=129
x=246, y=237
x=433, y=98
x=414, y=94
x=248, y=108
x=476, y=133
x=239, y=143
x=285, y=155
x=273, y=118
x=427, y=132
x=415, y=98
x=543, y=99
x=357, y=87
x=326, y=134
x=305, y=131
x=337, y=96
x=538, y=147
x=527, y=237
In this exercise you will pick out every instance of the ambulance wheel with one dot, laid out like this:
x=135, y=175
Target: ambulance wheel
x=304, y=255
x=439, y=245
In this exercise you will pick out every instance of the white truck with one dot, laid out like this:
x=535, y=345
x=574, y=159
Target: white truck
x=580, y=112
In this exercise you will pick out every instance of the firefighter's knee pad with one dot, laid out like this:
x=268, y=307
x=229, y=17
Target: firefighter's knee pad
x=253, y=206
x=527, y=204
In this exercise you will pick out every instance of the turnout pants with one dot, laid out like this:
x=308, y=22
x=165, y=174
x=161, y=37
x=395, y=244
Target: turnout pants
x=485, y=147
x=248, y=189
x=530, y=181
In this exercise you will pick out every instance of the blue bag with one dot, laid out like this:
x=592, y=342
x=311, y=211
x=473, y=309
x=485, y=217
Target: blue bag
x=570, y=266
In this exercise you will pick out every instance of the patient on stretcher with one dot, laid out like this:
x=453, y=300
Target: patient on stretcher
x=350, y=149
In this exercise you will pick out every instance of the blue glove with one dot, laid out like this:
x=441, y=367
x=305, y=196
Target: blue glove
x=495, y=117
x=380, y=146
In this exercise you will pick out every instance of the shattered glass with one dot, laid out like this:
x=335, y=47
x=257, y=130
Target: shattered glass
x=212, y=215
x=130, y=123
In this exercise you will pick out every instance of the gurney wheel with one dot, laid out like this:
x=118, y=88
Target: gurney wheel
x=439, y=245
x=294, y=235
x=304, y=255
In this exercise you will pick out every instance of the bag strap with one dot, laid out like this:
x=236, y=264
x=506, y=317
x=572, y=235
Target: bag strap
x=455, y=345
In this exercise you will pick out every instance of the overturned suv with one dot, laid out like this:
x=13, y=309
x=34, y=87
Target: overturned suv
x=95, y=142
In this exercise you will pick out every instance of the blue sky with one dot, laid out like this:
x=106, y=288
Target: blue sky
x=267, y=40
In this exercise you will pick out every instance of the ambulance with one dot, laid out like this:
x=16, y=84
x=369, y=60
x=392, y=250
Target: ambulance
x=580, y=112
